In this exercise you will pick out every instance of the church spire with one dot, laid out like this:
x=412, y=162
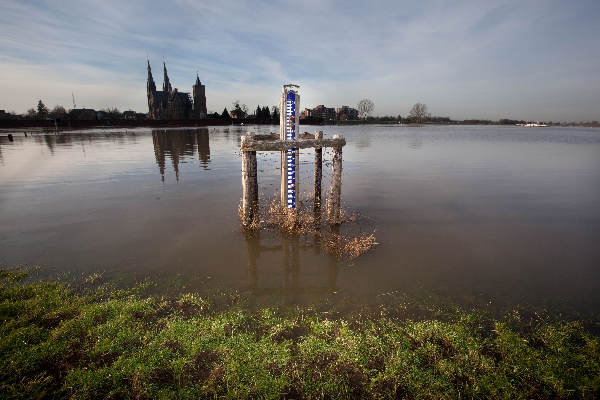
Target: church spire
x=150, y=84
x=166, y=83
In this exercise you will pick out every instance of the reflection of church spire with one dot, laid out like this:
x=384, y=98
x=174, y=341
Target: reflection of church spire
x=203, y=149
x=174, y=144
x=159, y=153
x=175, y=162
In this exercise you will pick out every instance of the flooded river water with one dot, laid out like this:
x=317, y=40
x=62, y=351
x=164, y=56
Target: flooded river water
x=486, y=215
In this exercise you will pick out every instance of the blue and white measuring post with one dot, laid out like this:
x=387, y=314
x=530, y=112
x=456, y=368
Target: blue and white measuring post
x=289, y=128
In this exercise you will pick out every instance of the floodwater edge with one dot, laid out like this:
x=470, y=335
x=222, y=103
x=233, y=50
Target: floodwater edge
x=94, y=340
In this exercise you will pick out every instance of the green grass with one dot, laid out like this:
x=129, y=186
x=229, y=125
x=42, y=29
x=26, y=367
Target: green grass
x=98, y=342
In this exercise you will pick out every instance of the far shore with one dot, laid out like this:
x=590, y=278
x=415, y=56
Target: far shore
x=10, y=126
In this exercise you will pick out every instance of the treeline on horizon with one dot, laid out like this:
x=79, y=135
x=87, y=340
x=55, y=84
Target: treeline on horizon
x=239, y=113
x=448, y=121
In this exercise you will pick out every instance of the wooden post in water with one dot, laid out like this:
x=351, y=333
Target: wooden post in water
x=249, y=210
x=252, y=143
x=335, y=193
x=318, y=171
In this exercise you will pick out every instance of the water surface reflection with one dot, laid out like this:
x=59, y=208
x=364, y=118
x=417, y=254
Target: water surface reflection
x=294, y=255
x=178, y=144
x=494, y=215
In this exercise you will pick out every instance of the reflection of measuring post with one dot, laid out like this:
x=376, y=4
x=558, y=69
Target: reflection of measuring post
x=289, y=126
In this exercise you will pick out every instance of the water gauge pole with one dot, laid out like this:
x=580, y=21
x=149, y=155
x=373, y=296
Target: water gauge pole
x=289, y=126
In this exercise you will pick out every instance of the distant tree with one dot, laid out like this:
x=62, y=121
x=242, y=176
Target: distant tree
x=266, y=113
x=263, y=114
x=418, y=112
x=58, y=112
x=225, y=114
x=239, y=111
x=42, y=110
x=112, y=113
x=275, y=114
x=365, y=107
x=31, y=113
x=258, y=113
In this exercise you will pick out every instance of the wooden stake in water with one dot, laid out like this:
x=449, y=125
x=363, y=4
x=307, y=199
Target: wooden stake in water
x=335, y=193
x=253, y=143
x=249, y=184
x=318, y=171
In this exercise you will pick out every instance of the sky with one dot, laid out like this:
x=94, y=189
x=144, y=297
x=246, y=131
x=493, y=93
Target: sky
x=534, y=60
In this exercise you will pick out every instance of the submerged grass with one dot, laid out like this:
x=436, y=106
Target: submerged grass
x=98, y=342
x=304, y=221
x=348, y=247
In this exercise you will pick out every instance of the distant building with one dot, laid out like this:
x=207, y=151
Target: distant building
x=83, y=114
x=323, y=113
x=345, y=113
x=306, y=113
x=132, y=115
x=238, y=113
x=129, y=114
x=169, y=103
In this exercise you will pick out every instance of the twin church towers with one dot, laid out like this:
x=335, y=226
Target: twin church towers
x=169, y=103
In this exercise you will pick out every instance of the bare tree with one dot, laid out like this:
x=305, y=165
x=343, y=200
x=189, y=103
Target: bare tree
x=112, y=113
x=239, y=111
x=365, y=107
x=418, y=112
x=31, y=113
x=58, y=112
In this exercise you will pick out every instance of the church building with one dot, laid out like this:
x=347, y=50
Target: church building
x=169, y=103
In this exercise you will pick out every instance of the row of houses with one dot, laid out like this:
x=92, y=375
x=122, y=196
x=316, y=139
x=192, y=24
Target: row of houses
x=89, y=114
x=323, y=113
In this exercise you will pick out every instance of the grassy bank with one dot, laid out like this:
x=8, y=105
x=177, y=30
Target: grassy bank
x=100, y=342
